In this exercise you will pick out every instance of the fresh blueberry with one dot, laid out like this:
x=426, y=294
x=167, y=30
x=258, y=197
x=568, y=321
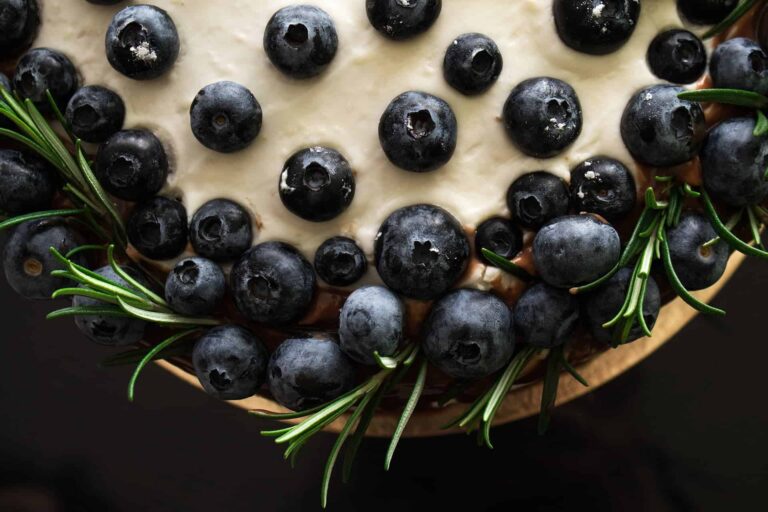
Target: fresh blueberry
x=372, y=320
x=537, y=198
x=306, y=372
x=603, y=186
x=19, y=22
x=273, y=284
x=421, y=251
x=734, y=162
x=472, y=63
x=661, y=130
x=469, y=334
x=596, y=27
x=27, y=183
x=543, y=116
x=740, y=63
x=575, y=250
x=418, y=132
x=603, y=304
x=339, y=261
x=28, y=261
x=301, y=40
x=698, y=266
x=157, y=228
x=230, y=362
x=142, y=42
x=317, y=184
x=195, y=287
x=677, y=56
x=221, y=230
x=403, y=19
x=705, y=12
x=545, y=317
x=115, y=331
x=132, y=165
x=225, y=117
x=40, y=70
x=95, y=113
x=498, y=235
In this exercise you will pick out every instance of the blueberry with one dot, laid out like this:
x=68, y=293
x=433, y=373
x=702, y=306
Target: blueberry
x=498, y=235
x=301, y=40
x=677, y=56
x=545, y=317
x=317, y=184
x=734, y=162
x=575, y=250
x=543, y=116
x=418, y=132
x=27, y=183
x=142, y=42
x=472, y=63
x=273, y=284
x=661, y=130
x=403, y=19
x=307, y=372
x=597, y=27
x=339, y=261
x=372, y=320
x=115, y=331
x=469, y=334
x=28, y=261
x=157, y=228
x=603, y=186
x=603, y=304
x=95, y=113
x=421, y=251
x=19, y=22
x=225, y=117
x=740, y=64
x=697, y=266
x=230, y=362
x=42, y=69
x=221, y=230
x=132, y=165
x=195, y=287
x=705, y=12
x=537, y=198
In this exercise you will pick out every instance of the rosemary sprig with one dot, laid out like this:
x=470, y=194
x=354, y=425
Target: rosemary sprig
x=134, y=300
x=649, y=244
x=134, y=356
x=726, y=234
x=480, y=415
x=738, y=97
x=82, y=187
x=361, y=402
x=151, y=355
x=19, y=219
x=738, y=12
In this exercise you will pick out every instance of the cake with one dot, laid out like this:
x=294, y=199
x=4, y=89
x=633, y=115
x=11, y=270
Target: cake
x=323, y=197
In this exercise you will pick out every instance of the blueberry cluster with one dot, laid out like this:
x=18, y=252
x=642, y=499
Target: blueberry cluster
x=421, y=252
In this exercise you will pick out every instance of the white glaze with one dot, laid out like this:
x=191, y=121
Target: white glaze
x=222, y=40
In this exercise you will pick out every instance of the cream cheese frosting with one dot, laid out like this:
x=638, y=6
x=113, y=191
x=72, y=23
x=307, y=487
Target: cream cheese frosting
x=340, y=109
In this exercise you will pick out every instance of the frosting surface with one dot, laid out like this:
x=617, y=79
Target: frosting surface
x=340, y=109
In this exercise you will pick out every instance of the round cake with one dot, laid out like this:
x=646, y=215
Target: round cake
x=360, y=208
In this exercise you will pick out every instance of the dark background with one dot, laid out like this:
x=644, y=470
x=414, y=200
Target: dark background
x=684, y=430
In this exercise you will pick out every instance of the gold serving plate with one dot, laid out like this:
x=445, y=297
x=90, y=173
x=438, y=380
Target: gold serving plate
x=524, y=401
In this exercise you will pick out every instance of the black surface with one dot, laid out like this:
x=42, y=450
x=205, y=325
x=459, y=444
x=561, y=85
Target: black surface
x=685, y=430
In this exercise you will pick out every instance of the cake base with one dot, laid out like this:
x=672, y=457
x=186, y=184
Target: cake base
x=522, y=402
